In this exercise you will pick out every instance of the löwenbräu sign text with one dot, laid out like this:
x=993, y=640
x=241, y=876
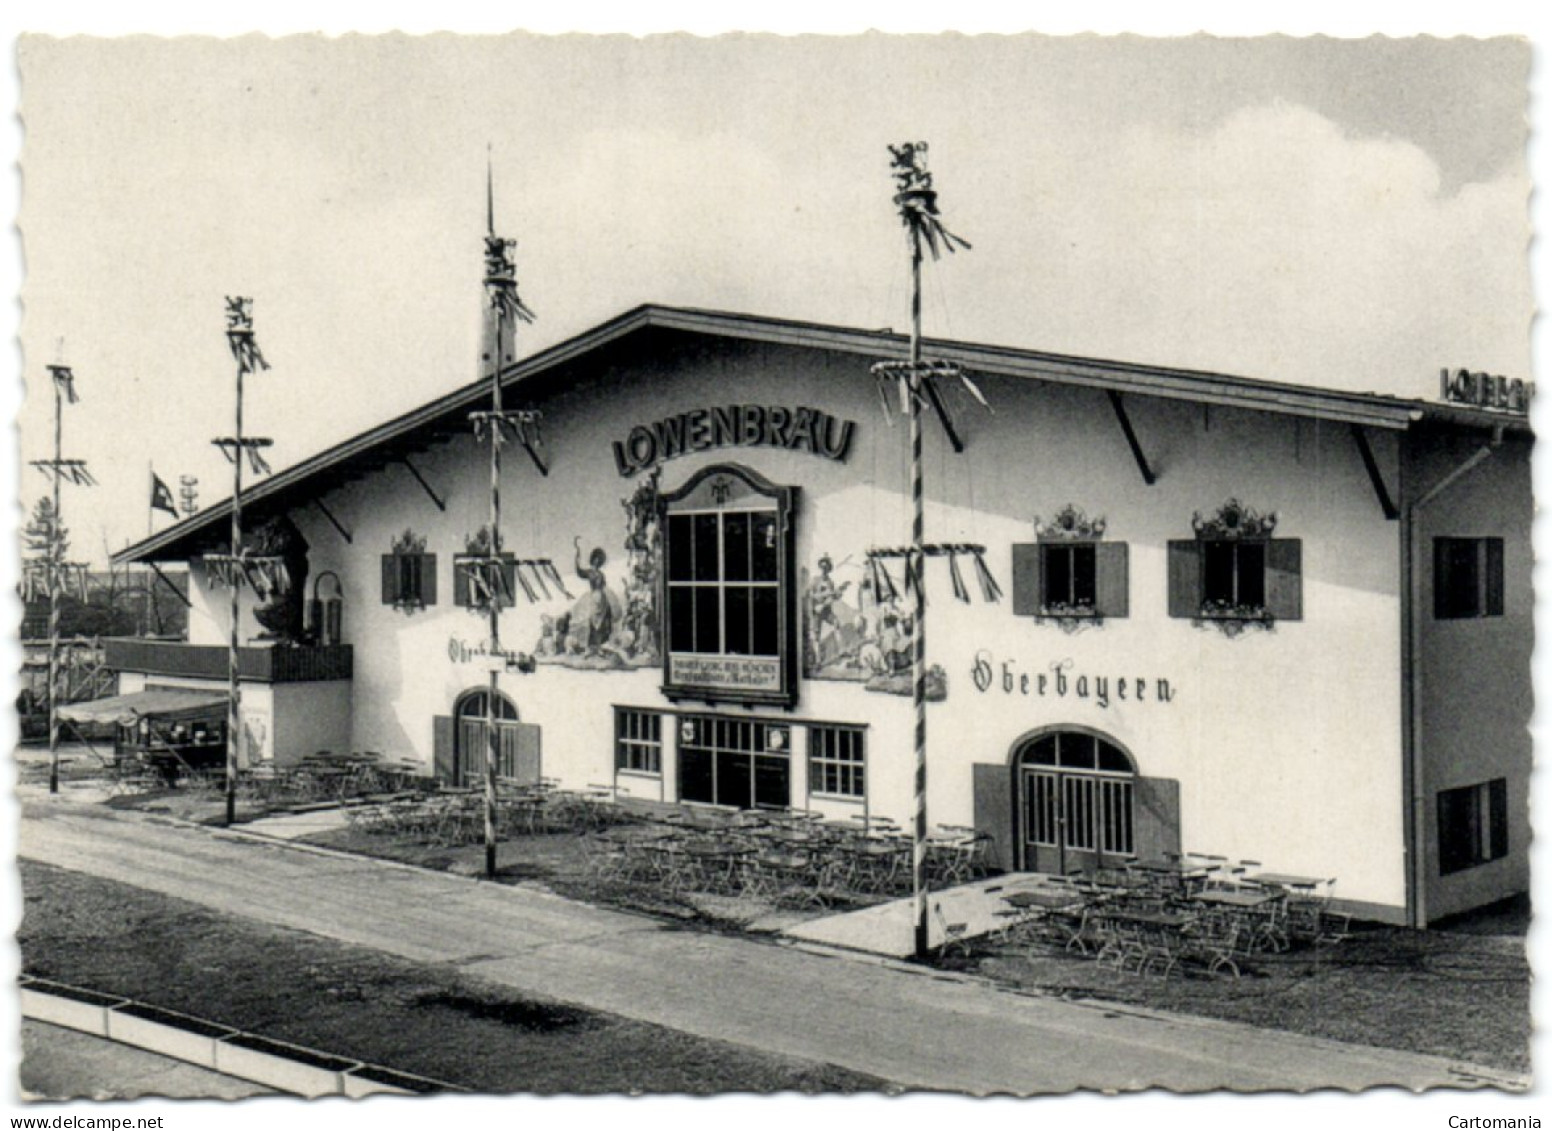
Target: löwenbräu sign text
x=798, y=429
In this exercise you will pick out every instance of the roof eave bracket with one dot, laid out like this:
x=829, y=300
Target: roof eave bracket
x=441, y=506
x=1382, y=492
x=334, y=522
x=1148, y=475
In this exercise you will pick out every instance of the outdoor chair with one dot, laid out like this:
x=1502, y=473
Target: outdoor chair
x=952, y=934
x=1215, y=941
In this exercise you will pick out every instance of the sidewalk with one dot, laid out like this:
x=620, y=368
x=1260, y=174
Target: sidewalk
x=918, y=1028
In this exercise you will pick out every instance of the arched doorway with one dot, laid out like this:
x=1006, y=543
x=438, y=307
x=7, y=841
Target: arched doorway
x=1074, y=796
x=519, y=753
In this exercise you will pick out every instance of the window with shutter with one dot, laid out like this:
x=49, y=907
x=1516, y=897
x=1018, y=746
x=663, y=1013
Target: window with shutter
x=1234, y=574
x=1467, y=578
x=1473, y=825
x=474, y=577
x=409, y=574
x=1070, y=575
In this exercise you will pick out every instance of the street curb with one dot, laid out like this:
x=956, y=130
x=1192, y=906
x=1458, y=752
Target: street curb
x=248, y=1056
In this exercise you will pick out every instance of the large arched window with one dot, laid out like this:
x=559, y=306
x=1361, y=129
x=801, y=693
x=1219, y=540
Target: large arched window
x=1075, y=808
x=727, y=541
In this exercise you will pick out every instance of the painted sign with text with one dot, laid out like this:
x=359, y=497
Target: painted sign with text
x=725, y=673
x=1060, y=679
x=798, y=429
x=1485, y=390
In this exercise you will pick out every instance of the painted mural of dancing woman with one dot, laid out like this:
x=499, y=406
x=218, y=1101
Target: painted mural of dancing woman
x=594, y=609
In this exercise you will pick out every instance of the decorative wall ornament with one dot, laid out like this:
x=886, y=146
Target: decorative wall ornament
x=1234, y=521
x=1231, y=620
x=408, y=543
x=1069, y=618
x=1070, y=523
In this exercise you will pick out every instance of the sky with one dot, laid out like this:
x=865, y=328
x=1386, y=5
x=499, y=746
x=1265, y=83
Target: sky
x=1343, y=213
x=1346, y=213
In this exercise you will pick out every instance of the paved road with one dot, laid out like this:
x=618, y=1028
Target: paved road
x=918, y=1029
x=64, y=1064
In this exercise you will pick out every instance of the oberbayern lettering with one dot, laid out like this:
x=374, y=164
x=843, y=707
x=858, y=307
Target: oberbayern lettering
x=1060, y=681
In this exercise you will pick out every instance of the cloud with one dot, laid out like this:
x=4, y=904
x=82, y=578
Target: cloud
x=1274, y=245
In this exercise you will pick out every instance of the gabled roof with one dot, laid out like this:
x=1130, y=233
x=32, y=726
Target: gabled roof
x=447, y=416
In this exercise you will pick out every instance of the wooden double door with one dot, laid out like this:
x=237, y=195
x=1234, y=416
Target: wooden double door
x=1076, y=796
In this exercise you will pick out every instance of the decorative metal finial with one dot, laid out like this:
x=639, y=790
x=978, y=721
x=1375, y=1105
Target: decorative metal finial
x=917, y=200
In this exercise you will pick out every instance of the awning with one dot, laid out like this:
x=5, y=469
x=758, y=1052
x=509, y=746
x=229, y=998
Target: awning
x=129, y=709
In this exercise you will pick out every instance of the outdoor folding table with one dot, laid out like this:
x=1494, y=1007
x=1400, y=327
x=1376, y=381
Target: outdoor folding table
x=1061, y=911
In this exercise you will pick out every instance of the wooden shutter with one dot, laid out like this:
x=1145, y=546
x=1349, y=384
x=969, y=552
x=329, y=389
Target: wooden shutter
x=1185, y=578
x=509, y=580
x=428, y=579
x=461, y=582
x=442, y=757
x=1110, y=579
x=1284, y=583
x=992, y=791
x=1155, y=817
x=1026, y=579
x=390, y=579
x=1493, y=578
x=1498, y=818
x=528, y=761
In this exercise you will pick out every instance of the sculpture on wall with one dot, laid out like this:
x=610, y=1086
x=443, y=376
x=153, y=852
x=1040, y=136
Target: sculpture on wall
x=281, y=611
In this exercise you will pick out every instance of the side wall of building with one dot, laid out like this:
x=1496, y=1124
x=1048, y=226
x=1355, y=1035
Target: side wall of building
x=1472, y=674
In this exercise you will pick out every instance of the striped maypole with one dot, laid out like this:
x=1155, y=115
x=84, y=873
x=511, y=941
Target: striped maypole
x=493, y=577
x=234, y=685
x=918, y=205
x=56, y=569
x=56, y=563
x=232, y=568
x=916, y=562
x=506, y=310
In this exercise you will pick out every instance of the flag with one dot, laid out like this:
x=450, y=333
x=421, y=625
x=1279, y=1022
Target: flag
x=161, y=497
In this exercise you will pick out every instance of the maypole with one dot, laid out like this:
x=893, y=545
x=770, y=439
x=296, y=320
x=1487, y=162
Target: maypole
x=504, y=309
x=918, y=208
x=58, y=470
x=237, y=568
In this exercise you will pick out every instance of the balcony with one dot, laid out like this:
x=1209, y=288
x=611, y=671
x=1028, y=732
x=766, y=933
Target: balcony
x=278, y=664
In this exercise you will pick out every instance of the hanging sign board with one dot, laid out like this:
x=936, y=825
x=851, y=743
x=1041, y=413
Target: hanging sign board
x=798, y=429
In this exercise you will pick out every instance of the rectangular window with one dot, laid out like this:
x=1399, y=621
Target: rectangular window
x=1468, y=578
x=1068, y=580
x=409, y=580
x=638, y=741
x=1234, y=575
x=836, y=757
x=743, y=763
x=1473, y=825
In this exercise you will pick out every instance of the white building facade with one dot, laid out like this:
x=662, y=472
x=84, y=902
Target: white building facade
x=1259, y=621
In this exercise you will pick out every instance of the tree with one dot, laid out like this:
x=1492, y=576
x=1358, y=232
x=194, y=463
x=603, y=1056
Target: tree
x=43, y=529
